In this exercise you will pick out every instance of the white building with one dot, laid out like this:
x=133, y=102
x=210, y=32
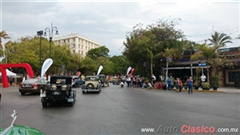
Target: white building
x=77, y=43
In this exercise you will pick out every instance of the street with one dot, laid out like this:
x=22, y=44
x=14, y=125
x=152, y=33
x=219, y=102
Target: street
x=124, y=111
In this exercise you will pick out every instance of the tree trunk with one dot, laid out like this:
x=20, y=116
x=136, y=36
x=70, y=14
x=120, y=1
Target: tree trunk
x=167, y=68
x=207, y=72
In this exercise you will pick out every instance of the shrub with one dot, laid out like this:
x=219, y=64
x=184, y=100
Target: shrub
x=205, y=86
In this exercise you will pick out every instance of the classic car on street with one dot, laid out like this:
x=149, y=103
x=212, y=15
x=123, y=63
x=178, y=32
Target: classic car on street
x=59, y=89
x=76, y=81
x=92, y=84
x=103, y=80
x=32, y=85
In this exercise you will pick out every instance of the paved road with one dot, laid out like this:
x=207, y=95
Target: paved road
x=124, y=111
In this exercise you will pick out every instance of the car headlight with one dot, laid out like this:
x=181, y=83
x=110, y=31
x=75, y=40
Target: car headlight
x=64, y=87
x=54, y=87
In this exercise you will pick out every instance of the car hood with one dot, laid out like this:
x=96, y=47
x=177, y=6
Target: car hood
x=21, y=130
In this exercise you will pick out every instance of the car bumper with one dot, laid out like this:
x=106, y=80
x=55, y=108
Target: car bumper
x=29, y=90
x=91, y=90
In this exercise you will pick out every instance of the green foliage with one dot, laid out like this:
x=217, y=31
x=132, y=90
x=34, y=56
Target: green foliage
x=220, y=39
x=150, y=43
x=98, y=52
x=215, y=80
x=196, y=78
x=120, y=64
x=205, y=86
x=88, y=66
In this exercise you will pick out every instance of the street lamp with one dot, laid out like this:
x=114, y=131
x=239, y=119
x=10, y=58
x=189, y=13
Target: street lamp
x=40, y=33
x=50, y=31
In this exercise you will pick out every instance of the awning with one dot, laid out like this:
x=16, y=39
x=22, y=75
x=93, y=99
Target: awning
x=172, y=68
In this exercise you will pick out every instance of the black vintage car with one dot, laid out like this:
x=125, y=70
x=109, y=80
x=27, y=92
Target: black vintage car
x=103, y=80
x=59, y=89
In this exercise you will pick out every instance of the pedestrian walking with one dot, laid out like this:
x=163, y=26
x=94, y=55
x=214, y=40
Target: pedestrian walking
x=190, y=85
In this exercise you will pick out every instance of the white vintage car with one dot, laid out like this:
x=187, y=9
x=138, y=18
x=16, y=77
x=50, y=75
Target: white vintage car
x=92, y=84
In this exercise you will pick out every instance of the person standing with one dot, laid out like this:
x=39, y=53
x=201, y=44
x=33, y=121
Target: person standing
x=153, y=79
x=128, y=81
x=203, y=78
x=190, y=85
x=180, y=85
x=169, y=81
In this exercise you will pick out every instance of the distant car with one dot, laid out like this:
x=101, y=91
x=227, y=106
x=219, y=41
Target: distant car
x=76, y=81
x=103, y=80
x=32, y=85
x=92, y=84
x=59, y=89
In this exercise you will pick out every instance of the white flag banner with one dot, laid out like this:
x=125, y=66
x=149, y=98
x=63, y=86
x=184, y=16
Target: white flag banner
x=128, y=70
x=99, y=69
x=46, y=65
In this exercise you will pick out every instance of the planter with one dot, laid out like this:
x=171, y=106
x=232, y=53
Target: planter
x=215, y=87
x=205, y=86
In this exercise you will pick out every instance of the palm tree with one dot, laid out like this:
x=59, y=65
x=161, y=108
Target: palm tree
x=3, y=35
x=219, y=39
x=206, y=52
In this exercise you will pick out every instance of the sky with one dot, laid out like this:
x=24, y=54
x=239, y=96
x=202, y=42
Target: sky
x=107, y=22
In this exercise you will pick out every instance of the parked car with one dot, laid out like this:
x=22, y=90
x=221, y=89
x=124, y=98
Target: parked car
x=76, y=81
x=92, y=84
x=32, y=85
x=59, y=89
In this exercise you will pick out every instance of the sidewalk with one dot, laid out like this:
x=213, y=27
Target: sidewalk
x=221, y=89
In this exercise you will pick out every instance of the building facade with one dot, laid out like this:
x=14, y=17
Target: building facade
x=77, y=43
x=182, y=67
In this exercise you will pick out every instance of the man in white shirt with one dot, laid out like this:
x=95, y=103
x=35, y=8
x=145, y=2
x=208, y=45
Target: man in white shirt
x=203, y=78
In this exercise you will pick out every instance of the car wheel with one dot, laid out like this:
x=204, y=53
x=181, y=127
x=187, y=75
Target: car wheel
x=23, y=93
x=83, y=92
x=44, y=104
x=90, y=86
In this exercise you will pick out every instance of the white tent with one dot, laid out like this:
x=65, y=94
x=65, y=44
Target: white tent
x=9, y=73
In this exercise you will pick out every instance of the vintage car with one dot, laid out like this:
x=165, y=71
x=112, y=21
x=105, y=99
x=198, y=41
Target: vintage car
x=92, y=84
x=116, y=80
x=59, y=89
x=103, y=80
x=76, y=81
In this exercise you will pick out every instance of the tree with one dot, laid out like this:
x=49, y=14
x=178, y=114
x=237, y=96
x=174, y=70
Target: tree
x=220, y=39
x=3, y=35
x=211, y=56
x=88, y=66
x=120, y=64
x=143, y=46
x=98, y=52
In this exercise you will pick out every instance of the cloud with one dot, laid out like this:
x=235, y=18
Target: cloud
x=108, y=22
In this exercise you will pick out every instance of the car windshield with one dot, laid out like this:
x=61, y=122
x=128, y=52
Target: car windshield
x=31, y=80
x=61, y=81
x=91, y=78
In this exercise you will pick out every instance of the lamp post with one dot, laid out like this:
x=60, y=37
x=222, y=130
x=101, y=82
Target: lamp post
x=40, y=33
x=50, y=32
